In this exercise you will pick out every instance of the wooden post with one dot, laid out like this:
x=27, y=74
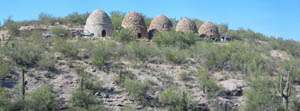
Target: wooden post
x=23, y=83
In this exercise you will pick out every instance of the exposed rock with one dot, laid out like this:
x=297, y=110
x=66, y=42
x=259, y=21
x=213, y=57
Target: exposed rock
x=99, y=24
x=223, y=104
x=280, y=55
x=233, y=87
x=136, y=23
x=186, y=25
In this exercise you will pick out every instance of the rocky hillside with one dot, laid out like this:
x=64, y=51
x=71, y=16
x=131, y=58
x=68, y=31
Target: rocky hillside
x=174, y=71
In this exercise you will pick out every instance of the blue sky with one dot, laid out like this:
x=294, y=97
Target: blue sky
x=279, y=18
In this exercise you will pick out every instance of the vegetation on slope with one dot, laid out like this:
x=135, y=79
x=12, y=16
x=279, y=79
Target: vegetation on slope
x=248, y=54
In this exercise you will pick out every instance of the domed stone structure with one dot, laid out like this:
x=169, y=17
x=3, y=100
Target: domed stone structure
x=209, y=30
x=186, y=25
x=159, y=23
x=99, y=24
x=136, y=23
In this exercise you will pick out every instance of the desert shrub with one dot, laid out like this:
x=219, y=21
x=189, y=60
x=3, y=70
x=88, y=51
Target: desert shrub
x=208, y=84
x=247, y=35
x=175, y=39
x=4, y=100
x=25, y=52
x=198, y=23
x=68, y=48
x=76, y=18
x=175, y=55
x=141, y=51
x=234, y=56
x=88, y=82
x=47, y=19
x=103, y=52
x=290, y=46
x=122, y=76
x=8, y=102
x=223, y=28
x=47, y=62
x=59, y=31
x=4, y=68
x=176, y=99
x=42, y=99
x=117, y=18
x=147, y=20
x=183, y=75
x=136, y=89
x=12, y=27
x=84, y=100
x=261, y=94
x=123, y=35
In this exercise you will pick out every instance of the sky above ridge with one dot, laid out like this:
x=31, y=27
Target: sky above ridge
x=279, y=18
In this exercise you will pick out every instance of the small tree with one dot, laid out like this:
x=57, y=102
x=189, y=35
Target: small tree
x=12, y=27
x=123, y=35
x=223, y=28
x=76, y=18
x=47, y=19
x=117, y=18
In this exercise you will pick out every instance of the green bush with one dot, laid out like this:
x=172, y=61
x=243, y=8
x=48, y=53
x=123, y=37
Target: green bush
x=59, y=32
x=103, y=52
x=85, y=100
x=68, y=48
x=122, y=76
x=175, y=39
x=233, y=56
x=9, y=103
x=47, y=61
x=176, y=99
x=12, y=27
x=290, y=46
x=76, y=18
x=4, y=100
x=25, y=52
x=142, y=51
x=47, y=19
x=123, y=35
x=117, y=18
x=247, y=35
x=136, y=89
x=207, y=84
x=4, y=68
x=42, y=99
x=88, y=81
x=261, y=95
x=175, y=55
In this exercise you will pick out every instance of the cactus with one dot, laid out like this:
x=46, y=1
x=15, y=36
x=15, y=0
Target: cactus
x=285, y=89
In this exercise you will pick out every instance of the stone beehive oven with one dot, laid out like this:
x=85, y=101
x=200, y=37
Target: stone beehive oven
x=209, y=29
x=136, y=23
x=186, y=25
x=99, y=24
x=160, y=23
